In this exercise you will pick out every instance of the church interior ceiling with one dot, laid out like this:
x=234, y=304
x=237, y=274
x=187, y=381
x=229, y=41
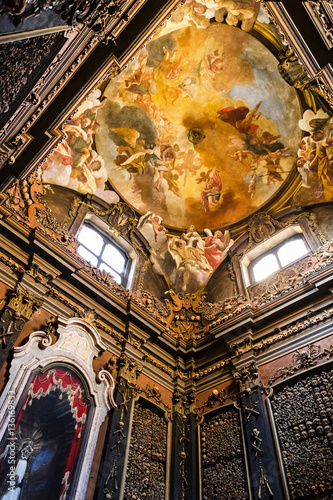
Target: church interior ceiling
x=195, y=136
x=200, y=128
x=212, y=119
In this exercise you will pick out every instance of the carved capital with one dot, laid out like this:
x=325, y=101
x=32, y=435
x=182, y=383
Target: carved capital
x=21, y=305
x=247, y=377
x=129, y=370
x=179, y=402
x=23, y=302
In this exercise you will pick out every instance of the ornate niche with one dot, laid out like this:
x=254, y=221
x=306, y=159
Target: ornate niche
x=147, y=463
x=222, y=456
x=302, y=409
x=51, y=411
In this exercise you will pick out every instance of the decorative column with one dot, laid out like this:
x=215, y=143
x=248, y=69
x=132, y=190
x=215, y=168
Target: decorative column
x=191, y=448
x=184, y=468
x=16, y=313
x=112, y=468
x=178, y=481
x=262, y=463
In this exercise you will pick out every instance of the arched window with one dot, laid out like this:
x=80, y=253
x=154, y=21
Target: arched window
x=279, y=251
x=277, y=258
x=98, y=248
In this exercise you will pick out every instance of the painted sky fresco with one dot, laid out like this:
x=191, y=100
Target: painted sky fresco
x=200, y=129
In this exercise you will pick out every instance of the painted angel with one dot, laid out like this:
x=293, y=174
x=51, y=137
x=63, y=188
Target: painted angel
x=211, y=193
x=155, y=221
x=216, y=246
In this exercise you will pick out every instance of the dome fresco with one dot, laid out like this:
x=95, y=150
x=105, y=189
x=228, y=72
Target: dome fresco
x=200, y=128
x=198, y=132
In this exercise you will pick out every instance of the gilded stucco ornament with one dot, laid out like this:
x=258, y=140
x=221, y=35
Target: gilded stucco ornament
x=262, y=226
x=185, y=319
x=129, y=369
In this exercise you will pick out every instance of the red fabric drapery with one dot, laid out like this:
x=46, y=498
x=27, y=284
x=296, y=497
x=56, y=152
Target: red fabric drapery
x=43, y=384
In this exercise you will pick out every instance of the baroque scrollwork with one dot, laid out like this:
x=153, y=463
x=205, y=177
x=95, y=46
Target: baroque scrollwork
x=302, y=359
x=223, y=310
x=185, y=318
x=262, y=226
x=154, y=306
x=293, y=277
x=24, y=199
x=283, y=282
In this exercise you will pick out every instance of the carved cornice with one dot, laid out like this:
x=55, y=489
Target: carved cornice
x=23, y=200
x=228, y=309
x=293, y=329
x=311, y=321
x=147, y=358
x=104, y=279
x=154, y=307
x=11, y=264
x=321, y=14
x=290, y=36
